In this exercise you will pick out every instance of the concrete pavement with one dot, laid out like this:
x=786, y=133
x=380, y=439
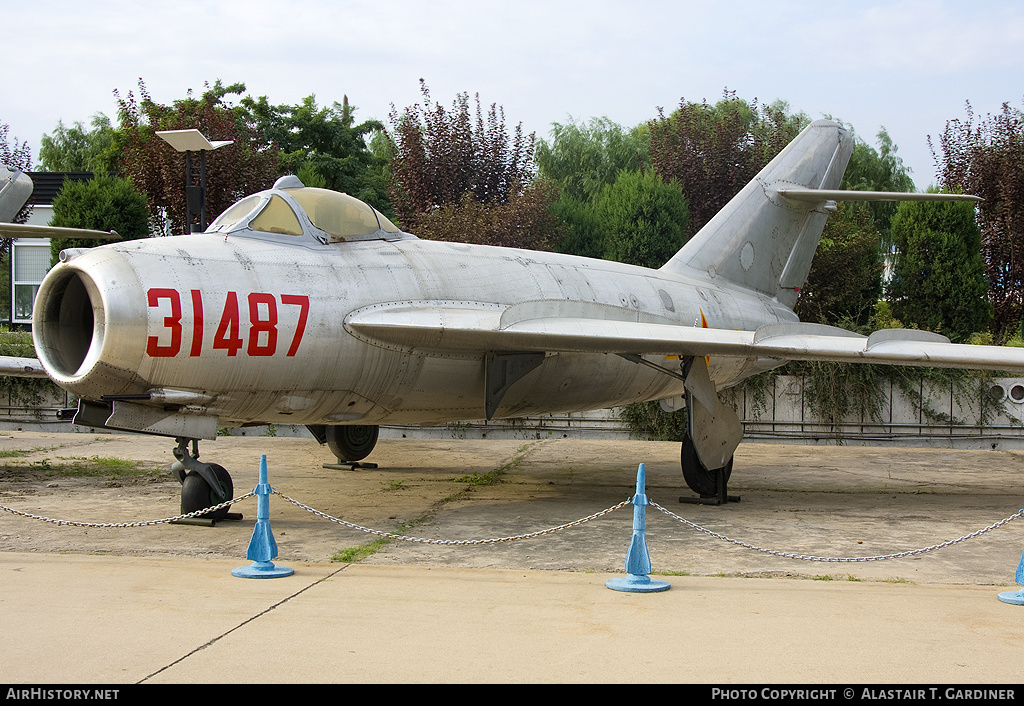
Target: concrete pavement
x=106, y=619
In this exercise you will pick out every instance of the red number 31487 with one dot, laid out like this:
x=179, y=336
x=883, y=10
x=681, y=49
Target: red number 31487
x=263, y=320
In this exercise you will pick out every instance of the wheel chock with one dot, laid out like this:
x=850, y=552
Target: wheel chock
x=262, y=547
x=638, y=561
x=1016, y=597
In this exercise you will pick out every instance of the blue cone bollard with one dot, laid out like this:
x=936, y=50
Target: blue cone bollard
x=638, y=561
x=262, y=547
x=1016, y=597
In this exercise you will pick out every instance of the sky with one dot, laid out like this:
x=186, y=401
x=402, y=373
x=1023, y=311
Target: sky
x=906, y=65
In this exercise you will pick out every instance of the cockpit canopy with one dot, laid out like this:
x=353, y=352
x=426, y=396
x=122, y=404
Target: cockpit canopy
x=293, y=209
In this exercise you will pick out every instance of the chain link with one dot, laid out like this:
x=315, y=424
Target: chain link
x=119, y=525
x=456, y=542
x=805, y=557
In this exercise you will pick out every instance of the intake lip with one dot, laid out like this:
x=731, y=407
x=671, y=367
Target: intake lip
x=68, y=323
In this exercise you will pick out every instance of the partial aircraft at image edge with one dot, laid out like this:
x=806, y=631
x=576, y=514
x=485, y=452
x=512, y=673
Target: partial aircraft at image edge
x=306, y=306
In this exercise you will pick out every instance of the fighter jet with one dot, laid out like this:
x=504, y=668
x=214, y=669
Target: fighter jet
x=305, y=306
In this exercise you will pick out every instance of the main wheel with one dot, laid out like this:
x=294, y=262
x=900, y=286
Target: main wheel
x=197, y=494
x=352, y=442
x=700, y=480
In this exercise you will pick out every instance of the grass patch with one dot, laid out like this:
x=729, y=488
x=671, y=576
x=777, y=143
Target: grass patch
x=494, y=477
x=489, y=478
x=110, y=468
x=353, y=555
x=358, y=553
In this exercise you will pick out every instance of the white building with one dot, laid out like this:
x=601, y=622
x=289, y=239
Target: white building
x=30, y=257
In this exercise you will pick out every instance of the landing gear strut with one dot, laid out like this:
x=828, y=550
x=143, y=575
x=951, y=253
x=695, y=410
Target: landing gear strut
x=202, y=484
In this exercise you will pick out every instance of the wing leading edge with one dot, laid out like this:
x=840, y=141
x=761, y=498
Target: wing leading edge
x=466, y=327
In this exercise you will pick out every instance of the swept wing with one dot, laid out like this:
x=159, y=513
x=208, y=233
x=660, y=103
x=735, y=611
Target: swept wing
x=470, y=328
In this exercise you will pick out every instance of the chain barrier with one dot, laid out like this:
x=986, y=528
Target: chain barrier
x=458, y=542
x=121, y=525
x=512, y=538
x=805, y=557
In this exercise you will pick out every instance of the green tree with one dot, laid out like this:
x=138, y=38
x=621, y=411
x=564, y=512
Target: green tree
x=878, y=169
x=583, y=158
x=938, y=276
x=643, y=219
x=75, y=149
x=103, y=203
x=986, y=158
x=845, y=280
x=325, y=145
x=583, y=230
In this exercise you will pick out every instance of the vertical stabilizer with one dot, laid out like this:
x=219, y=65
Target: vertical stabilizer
x=761, y=239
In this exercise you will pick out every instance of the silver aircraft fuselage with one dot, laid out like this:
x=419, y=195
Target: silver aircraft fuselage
x=306, y=306
x=255, y=327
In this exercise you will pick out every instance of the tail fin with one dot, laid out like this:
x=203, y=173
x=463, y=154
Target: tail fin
x=762, y=239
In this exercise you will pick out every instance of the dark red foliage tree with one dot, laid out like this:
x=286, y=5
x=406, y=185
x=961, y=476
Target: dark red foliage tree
x=712, y=151
x=156, y=169
x=459, y=177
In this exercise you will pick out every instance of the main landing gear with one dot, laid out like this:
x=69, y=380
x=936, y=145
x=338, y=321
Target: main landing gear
x=713, y=432
x=712, y=485
x=203, y=485
x=350, y=443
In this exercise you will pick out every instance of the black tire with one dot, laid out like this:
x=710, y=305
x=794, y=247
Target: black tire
x=197, y=494
x=352, y=442
x=700, y=480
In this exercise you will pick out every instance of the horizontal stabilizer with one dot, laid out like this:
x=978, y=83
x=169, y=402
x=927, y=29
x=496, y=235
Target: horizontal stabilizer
x=801, y=194
x=19, y=230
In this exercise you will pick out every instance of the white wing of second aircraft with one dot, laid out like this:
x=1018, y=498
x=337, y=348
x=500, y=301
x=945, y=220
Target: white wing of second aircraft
x=480, y=328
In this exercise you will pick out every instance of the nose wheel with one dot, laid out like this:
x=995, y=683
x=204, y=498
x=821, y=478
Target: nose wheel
x=203, y=485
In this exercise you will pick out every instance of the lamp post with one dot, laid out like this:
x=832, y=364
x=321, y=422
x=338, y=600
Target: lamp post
x=189, y=141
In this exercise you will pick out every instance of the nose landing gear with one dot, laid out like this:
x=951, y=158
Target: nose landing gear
x=202, y=484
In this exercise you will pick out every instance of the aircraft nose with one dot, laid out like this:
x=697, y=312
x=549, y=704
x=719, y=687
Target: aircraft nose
x=64, y=321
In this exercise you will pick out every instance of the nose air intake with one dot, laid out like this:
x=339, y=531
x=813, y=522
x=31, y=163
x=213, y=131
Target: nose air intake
x=67, y=325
